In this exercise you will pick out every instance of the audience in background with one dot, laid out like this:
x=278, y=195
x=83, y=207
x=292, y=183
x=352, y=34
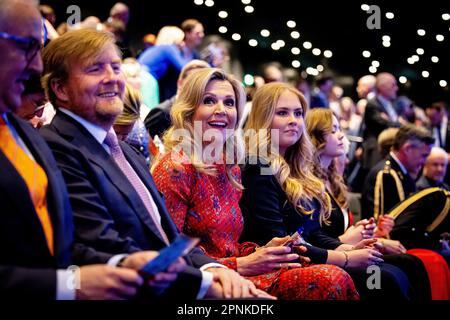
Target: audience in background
x=202, y=194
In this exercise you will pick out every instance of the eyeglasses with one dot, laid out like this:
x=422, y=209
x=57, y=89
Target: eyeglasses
x=29, y=45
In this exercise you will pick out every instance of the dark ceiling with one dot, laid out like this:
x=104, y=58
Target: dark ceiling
x=339, y=26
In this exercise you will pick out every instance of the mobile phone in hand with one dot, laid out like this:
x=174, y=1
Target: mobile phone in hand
x=178, y=248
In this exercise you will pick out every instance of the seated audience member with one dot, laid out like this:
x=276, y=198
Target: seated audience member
x=392, y=180
x=434, y=170
x=33, y=101
x=281, y=193
x=142, y=81
x=328, y=139
x=386, y=141
x=421, y=224
x=202, y=192
x=128, y=126
x=421, y=220
x=158, y=119
x=36, y=233
x=116, y=206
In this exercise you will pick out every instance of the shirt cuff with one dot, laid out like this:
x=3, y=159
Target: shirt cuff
x=66, y=281
x=212, y=265
x=207, y=278
x=115, y=260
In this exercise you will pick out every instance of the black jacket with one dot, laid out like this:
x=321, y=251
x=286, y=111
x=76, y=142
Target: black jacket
x=267, y=214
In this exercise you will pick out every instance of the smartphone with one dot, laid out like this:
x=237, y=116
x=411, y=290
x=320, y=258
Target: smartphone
x=178, y=248
x=295, y=239
x=292, y=241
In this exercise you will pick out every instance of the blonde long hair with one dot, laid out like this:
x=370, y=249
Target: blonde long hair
x=182, y=112
x=293, y=171
x=319, y=124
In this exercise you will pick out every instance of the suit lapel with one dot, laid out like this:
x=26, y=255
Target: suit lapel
x=97, y=155
x=18, y=185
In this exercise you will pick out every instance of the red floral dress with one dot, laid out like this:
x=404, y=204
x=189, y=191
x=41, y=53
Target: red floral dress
x=207, y=207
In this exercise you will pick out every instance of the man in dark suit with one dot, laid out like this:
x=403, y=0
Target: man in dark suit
x=379, y=114
x=439, y=127
x=393, y=180
x=36, y=229
x=117, y=208
x=319, y=97
x=434, y=170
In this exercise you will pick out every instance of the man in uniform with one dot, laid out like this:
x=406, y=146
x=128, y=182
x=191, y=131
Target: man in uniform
x=393, y=180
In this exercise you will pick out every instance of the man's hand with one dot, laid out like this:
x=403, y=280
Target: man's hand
x=102, y=282
x=162, y=280
x=229, y=284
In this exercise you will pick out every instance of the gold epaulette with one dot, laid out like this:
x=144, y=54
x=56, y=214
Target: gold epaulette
x=378, y=208
x=387, y=166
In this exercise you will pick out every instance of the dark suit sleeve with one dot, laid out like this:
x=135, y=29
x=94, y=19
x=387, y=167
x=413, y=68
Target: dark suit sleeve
x=321, y=239
x=374, y=121
x=27, y=283
x=94, y=224
x=198, y=258
x=263, y=213
x=413, y=220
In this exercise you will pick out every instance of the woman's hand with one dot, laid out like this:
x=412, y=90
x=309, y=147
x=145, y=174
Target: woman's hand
x=388, y=246
x=385, y=225
x=266, y=260
x=352, y=235
x=363, y=258
x=275, y=242
x=369, y=227
x=366, y=243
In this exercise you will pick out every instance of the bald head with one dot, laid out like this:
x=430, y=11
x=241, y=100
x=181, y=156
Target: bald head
x=387, y=86
x=18, y=18
x=436, y=164
x=366, y=84
x=7, y=8
x=120, y=11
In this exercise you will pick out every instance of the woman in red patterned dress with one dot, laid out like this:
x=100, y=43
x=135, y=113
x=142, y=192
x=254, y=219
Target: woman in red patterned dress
x=201, y=185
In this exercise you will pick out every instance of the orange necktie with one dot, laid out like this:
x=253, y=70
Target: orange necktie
x=33, y=175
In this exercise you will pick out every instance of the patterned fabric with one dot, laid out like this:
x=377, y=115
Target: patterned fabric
x=34, y=177
x=207, y=207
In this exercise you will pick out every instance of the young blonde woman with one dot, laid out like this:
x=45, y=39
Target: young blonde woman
x=282, y=194
x=202, y=192
x=329, y=146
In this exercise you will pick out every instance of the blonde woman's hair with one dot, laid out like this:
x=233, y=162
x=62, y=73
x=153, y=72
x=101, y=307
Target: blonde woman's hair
x=293, y=171
x=169, y=35
x=319, y=124
x=190, y=97
x=131, y=106
x=82, y=46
